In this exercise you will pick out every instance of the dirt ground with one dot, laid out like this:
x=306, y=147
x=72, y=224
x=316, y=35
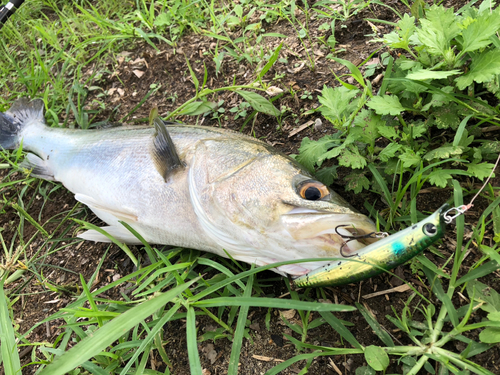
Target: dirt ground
x=168, y=68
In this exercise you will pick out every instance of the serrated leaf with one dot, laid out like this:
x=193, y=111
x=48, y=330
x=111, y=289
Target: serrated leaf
x=482, y=69
x=389, y=151
x=423, y=74
x=366, y=124
x=337, y=103
x=438, y=29
x=310, y=152
x=388, y=132
x=439, y=178
x=351, y=158
x=327, y=175
x=481, y=170
x=478, y=32
x=443, y=152
x=400, y=38
x=419, y=130
x=446, y=117
x=259, y=103
x=357, y=182
x=386, y=105
x=376, y=357
x=490, y=335
x=410, y=159
x=438, y=99
x=488, y=298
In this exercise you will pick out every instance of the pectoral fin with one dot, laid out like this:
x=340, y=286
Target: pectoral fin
x=164, y=154
x=121, y=213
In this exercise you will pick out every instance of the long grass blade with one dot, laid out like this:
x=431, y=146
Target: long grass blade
x=110, y=332
x=192, y=342
x=8, y=346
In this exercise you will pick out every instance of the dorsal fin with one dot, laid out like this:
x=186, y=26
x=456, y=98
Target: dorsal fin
x=163, y=151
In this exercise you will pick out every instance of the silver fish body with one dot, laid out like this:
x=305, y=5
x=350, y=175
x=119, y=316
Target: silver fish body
x=232, y=194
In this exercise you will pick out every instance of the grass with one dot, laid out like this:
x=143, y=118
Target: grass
x=62, y=52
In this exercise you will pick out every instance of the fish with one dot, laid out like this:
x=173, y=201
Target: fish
x=191, y=186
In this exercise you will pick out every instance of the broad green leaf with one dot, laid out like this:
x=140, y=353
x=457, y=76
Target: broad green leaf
x=366, y=125
x=401, y=37
x=386, y=105
x=438, y=29
x=490, y=335
x=481, y=170
x=447, y=117
x=478, y=31
x=388, y=132
x=337, y=103
x=419, y=129
x=423, y=74
x=376, y=357
x=439, y=178
x=311, y=151
x=259, y=103
x=443, y=152
x=197, y=108
x=482, y=69
x=438, y=99
x=357, y=182
x=410, y=159
x=365, y=370
x=483, y=293
x=494, y=316
x=389, y=151
x=350, y=157
x=327, y=175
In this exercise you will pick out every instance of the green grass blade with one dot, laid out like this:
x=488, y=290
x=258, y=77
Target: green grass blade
x=379, y=331
x=110, y=332
x=478, y=272
x=8, y=346
x=239, y=331
x=341, y=329
x=272, y=302
x=192, y=342
x=438, y=290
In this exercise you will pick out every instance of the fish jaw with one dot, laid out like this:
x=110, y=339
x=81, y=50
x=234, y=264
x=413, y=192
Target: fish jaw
x=380, y=256
x=305, y=235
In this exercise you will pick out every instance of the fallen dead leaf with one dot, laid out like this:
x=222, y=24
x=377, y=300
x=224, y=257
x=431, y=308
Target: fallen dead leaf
x=138, y=73
x=266, y=359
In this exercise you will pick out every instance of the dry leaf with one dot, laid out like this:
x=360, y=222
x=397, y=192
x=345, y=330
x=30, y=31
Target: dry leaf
x=138, y=73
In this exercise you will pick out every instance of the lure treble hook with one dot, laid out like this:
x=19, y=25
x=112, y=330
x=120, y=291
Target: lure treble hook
x=356, y=237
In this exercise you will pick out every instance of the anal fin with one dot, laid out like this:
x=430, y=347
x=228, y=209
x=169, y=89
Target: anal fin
x=39, y=167
x=123, y=213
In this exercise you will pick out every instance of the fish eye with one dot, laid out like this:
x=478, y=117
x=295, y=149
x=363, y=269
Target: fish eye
x=430, y=229
x=312, y=190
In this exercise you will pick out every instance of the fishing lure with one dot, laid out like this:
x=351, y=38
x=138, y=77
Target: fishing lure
x=383, y=255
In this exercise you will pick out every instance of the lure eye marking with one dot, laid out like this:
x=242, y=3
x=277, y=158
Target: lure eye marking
x=430, y=229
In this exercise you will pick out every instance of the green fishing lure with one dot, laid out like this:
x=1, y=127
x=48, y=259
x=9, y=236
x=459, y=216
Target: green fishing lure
x=382, y=255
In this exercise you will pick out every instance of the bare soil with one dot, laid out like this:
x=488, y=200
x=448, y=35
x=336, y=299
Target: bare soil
x=168, y=68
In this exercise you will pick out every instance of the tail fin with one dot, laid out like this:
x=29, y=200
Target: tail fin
x=16, y=118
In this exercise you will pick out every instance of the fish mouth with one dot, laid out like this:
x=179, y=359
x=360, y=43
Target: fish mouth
x=328, y=234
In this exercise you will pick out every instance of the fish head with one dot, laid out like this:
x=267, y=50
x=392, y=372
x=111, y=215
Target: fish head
x=263, y=207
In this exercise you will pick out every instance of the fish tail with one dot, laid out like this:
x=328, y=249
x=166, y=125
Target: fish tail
x=12, y=123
